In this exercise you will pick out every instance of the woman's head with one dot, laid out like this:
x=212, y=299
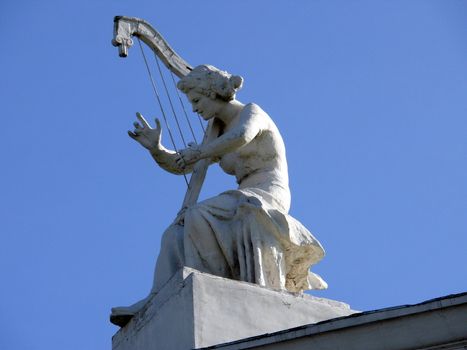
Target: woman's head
x=211, y=82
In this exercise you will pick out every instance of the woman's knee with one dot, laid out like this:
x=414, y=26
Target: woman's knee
x=193, y=216
x=173, y=235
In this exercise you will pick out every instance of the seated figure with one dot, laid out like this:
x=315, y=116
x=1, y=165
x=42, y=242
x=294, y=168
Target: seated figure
x=244, y=234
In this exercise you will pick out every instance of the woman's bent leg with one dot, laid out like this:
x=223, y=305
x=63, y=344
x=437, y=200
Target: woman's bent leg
x=171, y=256
x=203, y=251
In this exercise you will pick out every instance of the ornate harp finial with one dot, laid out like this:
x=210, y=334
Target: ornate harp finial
x=126, y=27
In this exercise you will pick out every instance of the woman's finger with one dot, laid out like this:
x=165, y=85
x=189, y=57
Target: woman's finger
x=136, y=125
x=142, y=120
x=132, y=135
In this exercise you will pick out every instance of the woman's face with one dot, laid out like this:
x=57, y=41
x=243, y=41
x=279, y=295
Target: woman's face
x=207, y=107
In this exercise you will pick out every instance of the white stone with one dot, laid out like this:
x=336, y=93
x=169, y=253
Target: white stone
x=244, y=234
x=195, y=310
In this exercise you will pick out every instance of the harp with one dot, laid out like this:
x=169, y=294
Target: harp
x=125, y=28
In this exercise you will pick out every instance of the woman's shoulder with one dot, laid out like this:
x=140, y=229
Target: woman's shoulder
x=252, y=109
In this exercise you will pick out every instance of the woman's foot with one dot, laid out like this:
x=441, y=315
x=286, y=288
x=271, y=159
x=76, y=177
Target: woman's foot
x=121, y=315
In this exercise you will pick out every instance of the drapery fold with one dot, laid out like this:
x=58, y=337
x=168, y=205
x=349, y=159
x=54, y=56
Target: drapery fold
x=245, y=237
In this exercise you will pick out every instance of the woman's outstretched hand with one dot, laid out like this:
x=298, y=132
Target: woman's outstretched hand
x=143, y=133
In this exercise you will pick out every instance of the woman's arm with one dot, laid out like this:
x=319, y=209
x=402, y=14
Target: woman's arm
x=167, y=160
x=250, y=124
x=150, y=139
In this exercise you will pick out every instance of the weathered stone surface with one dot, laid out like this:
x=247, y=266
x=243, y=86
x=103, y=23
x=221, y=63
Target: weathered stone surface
x=195, y=310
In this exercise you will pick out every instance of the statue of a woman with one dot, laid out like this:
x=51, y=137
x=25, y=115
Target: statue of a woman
x=244, y=234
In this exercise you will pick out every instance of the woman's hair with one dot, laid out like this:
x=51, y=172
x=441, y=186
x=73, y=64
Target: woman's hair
x=211, y=82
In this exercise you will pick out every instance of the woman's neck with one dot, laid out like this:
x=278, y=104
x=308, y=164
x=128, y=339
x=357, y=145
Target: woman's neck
x=230, y=111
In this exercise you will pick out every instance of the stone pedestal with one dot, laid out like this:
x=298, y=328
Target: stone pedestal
x=196, y=310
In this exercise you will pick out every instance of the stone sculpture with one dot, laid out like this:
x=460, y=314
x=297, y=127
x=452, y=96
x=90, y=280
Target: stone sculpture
x=244, y=234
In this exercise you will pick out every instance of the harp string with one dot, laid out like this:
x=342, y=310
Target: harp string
x=170, y=102
x=156, y=93
x=184, y=111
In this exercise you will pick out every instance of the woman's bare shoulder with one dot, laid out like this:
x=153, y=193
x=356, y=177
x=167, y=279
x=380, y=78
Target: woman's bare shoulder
x=253, y=108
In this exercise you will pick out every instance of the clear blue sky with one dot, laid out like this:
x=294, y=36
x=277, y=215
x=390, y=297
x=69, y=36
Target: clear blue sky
x=370, y=97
